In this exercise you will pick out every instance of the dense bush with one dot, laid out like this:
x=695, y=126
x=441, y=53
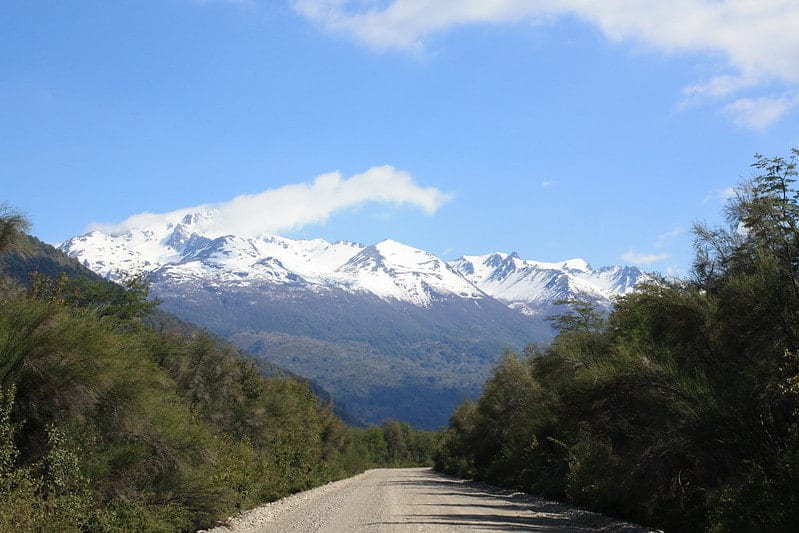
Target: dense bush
x=681, y=408
x=106, y=425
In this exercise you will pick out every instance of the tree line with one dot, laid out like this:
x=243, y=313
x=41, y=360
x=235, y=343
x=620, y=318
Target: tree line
x=679, y=409
x=110, y=424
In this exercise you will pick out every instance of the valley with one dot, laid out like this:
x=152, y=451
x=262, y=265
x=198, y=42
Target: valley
x=390, y=331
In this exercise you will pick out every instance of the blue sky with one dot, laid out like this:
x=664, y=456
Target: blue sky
x=555, y=129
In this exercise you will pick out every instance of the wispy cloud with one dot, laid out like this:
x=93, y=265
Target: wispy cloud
x=760, y=113
x=674, y=272
x=663, y=242
x=721, y=195
x=448, y=252
x=727, y=193
x=757, y=41
x=718, y=86
x=642, y=259
x=666, y=238
x=547, y=183
x=293, y=206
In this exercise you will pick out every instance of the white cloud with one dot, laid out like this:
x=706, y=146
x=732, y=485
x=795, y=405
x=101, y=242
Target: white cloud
x=448, y=252
x=721, y=195
x=293, y=206
x=664, y=239
x=719, y=86
x=547, y=183
x=674, y=272
x=404, y=24
x=759, y=113
x=756, y=40
x=643, y=259
x=727, y=193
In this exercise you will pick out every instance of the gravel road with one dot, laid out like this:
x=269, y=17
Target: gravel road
x=416, y=499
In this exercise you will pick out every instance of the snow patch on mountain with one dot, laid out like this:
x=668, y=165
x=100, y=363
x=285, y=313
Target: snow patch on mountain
x=390, y=269
x=180, y=252
x=531, y=286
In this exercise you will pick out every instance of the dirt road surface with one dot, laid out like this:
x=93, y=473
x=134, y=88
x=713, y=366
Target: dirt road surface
x=416, y=499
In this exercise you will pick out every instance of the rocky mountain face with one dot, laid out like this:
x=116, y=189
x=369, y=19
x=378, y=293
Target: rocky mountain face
x=389, y=330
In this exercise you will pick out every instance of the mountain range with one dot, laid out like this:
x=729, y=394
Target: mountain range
x=390, y=330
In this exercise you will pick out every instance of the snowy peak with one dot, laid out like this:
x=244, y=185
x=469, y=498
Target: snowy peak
x=187, y=231
x=502, y=265
x=175, y=253
x=394, y=270
x=185, y=250
x=532, y=285
x=108, y=255
x=142, y=249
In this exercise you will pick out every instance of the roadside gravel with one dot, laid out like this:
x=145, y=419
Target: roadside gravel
x=416, y=499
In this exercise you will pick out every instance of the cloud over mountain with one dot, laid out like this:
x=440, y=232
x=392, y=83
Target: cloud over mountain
x=293, y=206
x=642, y=259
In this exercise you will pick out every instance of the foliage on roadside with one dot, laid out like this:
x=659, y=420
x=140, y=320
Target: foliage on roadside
x=108, y=425
x=681, y=409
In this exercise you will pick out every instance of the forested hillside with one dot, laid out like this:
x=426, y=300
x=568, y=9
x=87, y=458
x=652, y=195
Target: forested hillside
x=680, y=409
x=109, y=425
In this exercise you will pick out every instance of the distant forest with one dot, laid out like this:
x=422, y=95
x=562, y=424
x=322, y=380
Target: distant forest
x=680, y=409
x=117, y=417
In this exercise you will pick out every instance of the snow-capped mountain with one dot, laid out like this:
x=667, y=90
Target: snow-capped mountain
x=390, y=269
x=390, y=330
x=532, y=286
x=180, y=252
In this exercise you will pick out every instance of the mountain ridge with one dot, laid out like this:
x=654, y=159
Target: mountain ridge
x=388, y=269
x=391, y=331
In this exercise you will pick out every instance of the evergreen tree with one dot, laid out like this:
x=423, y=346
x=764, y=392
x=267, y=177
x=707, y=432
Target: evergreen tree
x=681, y=409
